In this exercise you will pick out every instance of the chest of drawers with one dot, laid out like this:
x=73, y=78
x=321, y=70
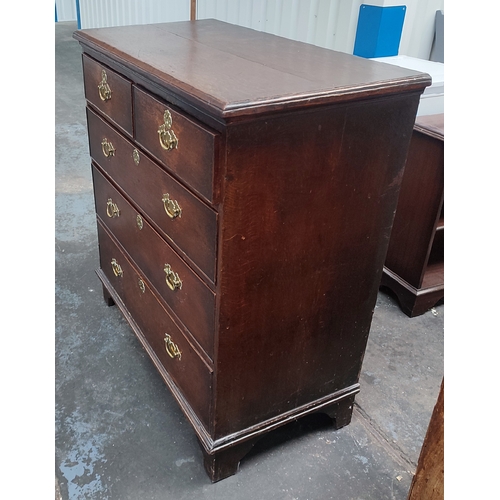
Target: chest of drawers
x=245, y=187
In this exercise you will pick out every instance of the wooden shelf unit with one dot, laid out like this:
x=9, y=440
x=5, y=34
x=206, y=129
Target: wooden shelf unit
x=414, y=266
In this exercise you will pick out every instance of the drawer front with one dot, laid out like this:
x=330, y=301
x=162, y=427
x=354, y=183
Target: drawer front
x=192, y=149
x=190, y=374
x=181, y=217
x=109, y=92
x=186, y=294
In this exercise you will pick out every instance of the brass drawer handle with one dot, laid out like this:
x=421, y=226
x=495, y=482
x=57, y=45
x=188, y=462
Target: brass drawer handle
x=136, y=157
x=142, y=286
x=116, y=268
x=107, y=148
x=171, y=206
x=112, y=209
x=104, y=89
x=172, y=279
x=168, y=139
x=172, y=349
x=140, y=223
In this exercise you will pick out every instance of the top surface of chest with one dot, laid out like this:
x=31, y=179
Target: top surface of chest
x=230, y=70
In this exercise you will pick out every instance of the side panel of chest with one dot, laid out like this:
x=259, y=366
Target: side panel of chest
x=309, y=201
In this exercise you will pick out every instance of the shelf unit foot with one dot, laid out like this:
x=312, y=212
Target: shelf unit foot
x=412, y=301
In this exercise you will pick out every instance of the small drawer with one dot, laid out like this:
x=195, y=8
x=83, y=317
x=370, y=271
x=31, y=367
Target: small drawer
x=181, y=289
x=182, y=145
x=174, y=211
x=188, y=371
x=109, y=92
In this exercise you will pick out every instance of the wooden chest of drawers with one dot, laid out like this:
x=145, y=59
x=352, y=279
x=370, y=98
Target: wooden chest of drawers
x=245, y=187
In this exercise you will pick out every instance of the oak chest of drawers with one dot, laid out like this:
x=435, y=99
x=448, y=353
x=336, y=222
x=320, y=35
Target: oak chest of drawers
x=245, y=187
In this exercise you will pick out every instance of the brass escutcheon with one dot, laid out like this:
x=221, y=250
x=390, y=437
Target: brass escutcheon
x=107, y=148
x=117, y=270
x=140, y=223
x=104, y=89
x=172, y=279
x=136, y=157
x=142, y=286
x=171, y=206
x=168, y=139
x=112, y=209
x=172, y=349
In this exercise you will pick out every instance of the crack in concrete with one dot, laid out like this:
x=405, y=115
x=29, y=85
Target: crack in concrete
x=380, y=437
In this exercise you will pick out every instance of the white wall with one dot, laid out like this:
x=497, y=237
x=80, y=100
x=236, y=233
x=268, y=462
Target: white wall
x=103, y=13
x=66, y=10
x=312, y=21
x=418, y=28
x=327, y=23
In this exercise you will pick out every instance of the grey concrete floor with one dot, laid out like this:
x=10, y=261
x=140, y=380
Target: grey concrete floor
x=120, y=434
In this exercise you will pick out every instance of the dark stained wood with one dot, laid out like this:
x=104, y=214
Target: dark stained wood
x=107, y=297
x=432, y=125
x=307, y=213
x=340, y=412
x=193, y=159
x=261, y=72
x=300, y=176
x=119, y=107
x=191, y=375
x=428, y=482
x=194, y=233
x=416, y=249
x=192, y=417
x=225, y=462
x=413, y=301
x=194, y=303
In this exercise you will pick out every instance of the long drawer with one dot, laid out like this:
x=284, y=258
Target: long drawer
x=188, y=371
x=180, y=216
x=182, y=145
x=186, y=294
x=108, y=91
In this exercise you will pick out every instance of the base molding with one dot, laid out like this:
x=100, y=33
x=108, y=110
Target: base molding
x=413, y=301
x=333, y=405
x=222, y=456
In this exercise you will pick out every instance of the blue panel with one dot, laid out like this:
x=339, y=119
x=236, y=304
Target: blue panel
x=56, y=12
x=78, y=20
x=379, y=31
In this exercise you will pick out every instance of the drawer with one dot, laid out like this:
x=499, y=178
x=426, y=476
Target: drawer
x=188, y=371
x=182, y=145
x=189, y=299
x=173, y=210
x=109, y=92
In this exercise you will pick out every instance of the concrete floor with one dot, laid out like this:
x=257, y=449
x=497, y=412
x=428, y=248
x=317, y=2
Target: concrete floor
x=120, y=434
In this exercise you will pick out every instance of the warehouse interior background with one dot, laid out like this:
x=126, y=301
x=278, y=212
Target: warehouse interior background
x=327, y=23
x=471, y=246
x=409, y=34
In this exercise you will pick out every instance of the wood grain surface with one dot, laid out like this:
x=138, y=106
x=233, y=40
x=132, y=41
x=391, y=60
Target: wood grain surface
x=231, y=71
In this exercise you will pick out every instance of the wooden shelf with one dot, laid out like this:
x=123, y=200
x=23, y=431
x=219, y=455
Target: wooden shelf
x=434, y=276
